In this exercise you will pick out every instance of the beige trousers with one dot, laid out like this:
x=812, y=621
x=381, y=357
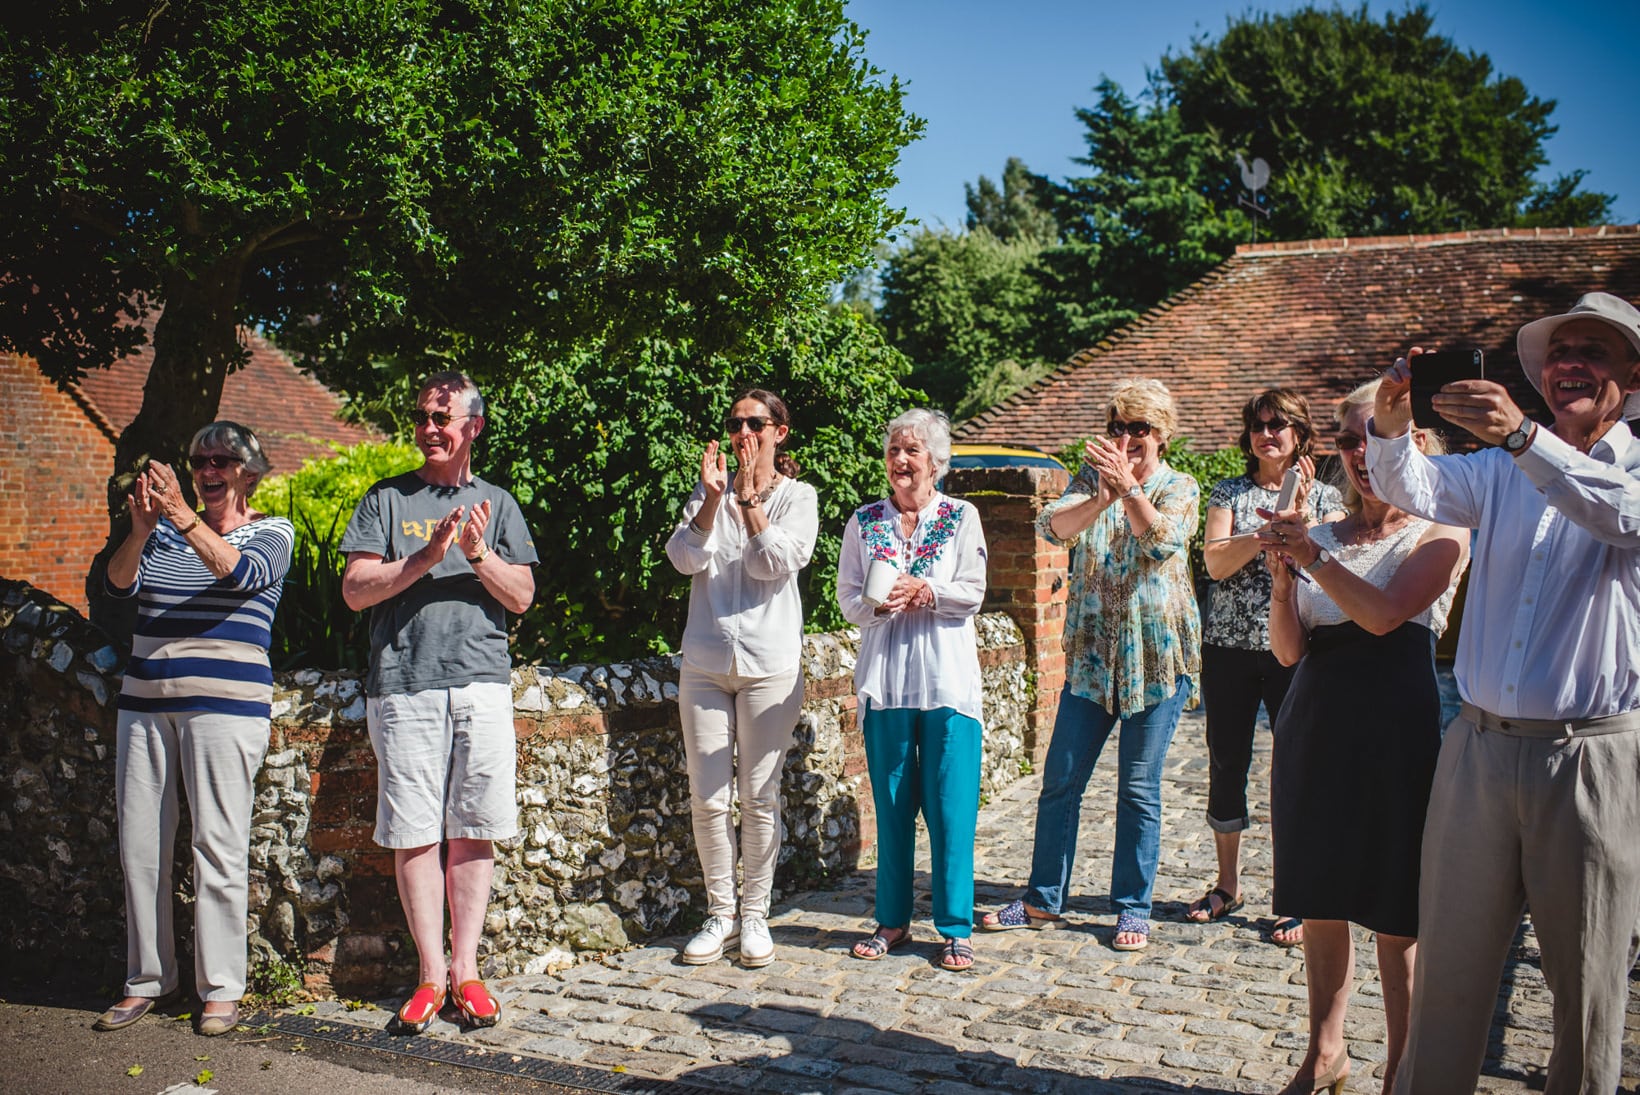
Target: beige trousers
x=214, y=758
x=736, y=731
x=1528, y=815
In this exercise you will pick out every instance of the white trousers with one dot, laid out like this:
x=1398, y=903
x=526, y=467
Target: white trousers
x=215, y=758
x=725, y=714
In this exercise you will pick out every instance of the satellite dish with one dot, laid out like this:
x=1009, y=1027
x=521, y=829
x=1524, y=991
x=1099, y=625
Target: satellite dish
x=1254, y=177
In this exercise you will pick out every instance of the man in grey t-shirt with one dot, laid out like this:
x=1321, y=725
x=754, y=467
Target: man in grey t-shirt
x=439, y=695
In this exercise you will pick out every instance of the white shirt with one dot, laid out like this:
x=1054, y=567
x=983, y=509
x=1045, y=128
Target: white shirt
x=1551, y=623
x=745, y=615
x=922, y=658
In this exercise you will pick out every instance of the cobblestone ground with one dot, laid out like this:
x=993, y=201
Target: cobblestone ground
x=1213, y=1008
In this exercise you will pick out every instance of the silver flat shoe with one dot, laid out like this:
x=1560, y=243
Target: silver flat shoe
x=118, y=1018
x=212, y=1026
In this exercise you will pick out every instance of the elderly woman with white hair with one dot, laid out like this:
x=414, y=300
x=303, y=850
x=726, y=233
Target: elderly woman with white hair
x=1132, y=655
x=193, y=713
x=917, y=680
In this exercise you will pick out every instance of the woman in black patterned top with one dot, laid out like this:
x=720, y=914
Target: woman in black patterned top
x=1238, y=670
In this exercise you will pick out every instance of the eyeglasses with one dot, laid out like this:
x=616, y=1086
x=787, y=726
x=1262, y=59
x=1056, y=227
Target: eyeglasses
x=1274, y=425
x=438, y=418
x=1348, y=442
x=755, y=423
x=199, y=461
x=1132, y=429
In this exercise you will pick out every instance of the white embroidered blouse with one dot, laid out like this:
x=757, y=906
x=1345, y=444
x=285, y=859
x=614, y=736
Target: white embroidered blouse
x=745, y=615
x=922, y=658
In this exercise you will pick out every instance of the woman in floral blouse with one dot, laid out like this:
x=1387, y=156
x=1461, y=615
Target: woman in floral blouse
x=1238, y=670
x=1133, y=654
x=918, y=683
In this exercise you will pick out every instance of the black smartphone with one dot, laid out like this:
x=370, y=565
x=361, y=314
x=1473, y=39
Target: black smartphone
x=1433, y=371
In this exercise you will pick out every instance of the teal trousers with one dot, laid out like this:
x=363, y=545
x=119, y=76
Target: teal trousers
x=928, y=761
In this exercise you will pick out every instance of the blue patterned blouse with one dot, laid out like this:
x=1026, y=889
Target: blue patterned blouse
x=1132, y=628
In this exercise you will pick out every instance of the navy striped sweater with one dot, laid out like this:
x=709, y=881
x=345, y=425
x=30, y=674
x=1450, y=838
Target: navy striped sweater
x=201, y=642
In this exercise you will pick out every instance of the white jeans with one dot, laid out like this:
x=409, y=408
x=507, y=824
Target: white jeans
x=725, y=714
x=216, y=758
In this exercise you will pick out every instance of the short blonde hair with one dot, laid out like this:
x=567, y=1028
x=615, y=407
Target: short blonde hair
x=1428, y=441
x=1146, y=400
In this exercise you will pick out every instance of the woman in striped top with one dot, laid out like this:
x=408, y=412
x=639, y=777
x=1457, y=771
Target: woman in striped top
x=194, y=710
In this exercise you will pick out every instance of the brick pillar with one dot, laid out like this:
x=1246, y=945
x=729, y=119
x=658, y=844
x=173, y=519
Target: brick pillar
x=1026, y=577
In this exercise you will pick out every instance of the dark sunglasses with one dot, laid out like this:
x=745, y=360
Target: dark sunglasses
x=755, y=423
x=1274, y=425
x=199, y=461
x=1132, y=429
x=438, y=418
x=1348, y=442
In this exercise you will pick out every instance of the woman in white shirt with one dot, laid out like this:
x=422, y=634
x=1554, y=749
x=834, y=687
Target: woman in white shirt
x=918, y=683
x=741, y=685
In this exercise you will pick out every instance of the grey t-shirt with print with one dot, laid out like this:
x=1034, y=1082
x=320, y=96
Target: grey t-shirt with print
x=446, y=630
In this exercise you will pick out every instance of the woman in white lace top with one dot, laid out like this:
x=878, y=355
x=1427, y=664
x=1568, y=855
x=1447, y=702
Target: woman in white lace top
x=1357, y=604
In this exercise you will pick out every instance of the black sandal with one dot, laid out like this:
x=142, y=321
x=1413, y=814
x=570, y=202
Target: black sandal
x=1227, y=905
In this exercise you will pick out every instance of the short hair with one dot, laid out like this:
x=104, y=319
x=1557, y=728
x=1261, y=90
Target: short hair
x=236, y=439
x=930, y=427
x=451, y=378
x=1428, y=441
x=1286, y=403
x=1148, y=400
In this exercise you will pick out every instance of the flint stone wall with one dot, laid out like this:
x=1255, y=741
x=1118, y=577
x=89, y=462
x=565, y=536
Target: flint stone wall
x=605, y=856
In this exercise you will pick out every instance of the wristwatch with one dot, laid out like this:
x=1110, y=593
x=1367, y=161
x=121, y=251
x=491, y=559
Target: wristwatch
x=1322, y=558
x=1516, y=440
x=1133, y=492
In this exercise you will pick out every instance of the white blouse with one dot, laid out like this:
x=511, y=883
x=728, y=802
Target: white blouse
x=922, y=658
x=745, y=615
x=1375, y=561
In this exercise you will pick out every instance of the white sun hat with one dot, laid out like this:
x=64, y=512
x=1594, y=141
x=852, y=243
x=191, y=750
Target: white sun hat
x=1533, y=341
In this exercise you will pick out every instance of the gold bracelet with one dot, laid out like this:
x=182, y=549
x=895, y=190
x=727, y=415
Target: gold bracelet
x=483, y=553
x=190, y=528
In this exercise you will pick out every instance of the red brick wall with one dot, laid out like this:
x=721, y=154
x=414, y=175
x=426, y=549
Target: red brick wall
x=1026, y=575
x=54, y=469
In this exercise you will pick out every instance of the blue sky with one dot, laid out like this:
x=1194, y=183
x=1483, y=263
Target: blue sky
x=994, y=80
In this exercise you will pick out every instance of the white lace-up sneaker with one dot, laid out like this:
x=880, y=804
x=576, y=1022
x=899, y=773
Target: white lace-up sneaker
x=719, y=934
x=756, y=947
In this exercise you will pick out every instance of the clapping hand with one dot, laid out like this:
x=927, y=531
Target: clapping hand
x=444, y=533
x=165, y=494
x=714, y=471
x=472, y=533
x=1109, y=457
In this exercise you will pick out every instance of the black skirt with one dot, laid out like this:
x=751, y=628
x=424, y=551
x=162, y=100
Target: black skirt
x=1355, y=748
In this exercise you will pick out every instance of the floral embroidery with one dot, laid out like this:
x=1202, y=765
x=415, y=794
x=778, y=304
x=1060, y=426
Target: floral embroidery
x=878, y=534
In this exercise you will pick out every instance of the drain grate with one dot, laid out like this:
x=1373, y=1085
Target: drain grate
x=505, y=1062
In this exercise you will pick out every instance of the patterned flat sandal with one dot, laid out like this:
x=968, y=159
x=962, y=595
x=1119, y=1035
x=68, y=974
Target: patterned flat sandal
x=877, y=945
x=1015, y=915
x=958, y=955
x=1128, y=923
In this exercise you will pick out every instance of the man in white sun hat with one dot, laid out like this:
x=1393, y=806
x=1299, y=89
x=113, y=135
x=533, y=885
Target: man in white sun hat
x=1537, y=795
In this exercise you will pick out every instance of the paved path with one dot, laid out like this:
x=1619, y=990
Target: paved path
x=1206, y=1008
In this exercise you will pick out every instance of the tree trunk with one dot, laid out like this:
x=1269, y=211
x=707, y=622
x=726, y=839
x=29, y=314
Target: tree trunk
x=196, y=344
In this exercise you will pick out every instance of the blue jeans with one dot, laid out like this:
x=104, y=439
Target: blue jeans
x=1079, y=733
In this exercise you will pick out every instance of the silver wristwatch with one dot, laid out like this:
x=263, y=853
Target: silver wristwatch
x=1322, y=558
x=1516, y=439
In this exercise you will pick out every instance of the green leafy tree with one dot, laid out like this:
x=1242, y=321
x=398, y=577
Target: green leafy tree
x=602, y=455
x=1022, y=208
x=374, y=180
x=958, y=303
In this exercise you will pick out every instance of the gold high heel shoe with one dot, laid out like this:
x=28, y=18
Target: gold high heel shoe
x=1331, y=1081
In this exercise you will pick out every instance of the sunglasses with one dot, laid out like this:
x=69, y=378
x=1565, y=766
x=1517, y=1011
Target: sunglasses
x=1274, y=425
x=1348, y=442
x=199, y=461
x=755, y=423
x=438, y=418
x=1132, y=429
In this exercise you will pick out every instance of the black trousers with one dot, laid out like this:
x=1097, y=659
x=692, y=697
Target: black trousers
x=1234, y=681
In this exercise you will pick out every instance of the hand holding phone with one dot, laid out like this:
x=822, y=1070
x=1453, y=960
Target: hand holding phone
x=1289, y=489
x=1433, y=371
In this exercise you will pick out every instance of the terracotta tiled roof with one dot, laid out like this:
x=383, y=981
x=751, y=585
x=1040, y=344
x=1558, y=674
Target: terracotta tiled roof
x=292, y=413
x=1323, y=316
